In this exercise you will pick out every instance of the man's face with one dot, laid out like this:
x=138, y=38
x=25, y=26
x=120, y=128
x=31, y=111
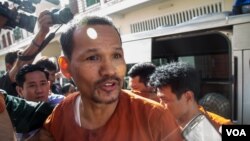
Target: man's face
x=169, y=100
x=135, y=84
x=97, y=64
x=35, y=88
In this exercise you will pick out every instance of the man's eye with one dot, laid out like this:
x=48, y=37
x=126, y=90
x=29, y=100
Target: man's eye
x=31, y=86
x=117, y=56
x=43, y=83
x=92, y=58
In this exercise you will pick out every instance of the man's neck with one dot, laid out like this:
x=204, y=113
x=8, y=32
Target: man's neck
x=186, y=118
x=94, y=116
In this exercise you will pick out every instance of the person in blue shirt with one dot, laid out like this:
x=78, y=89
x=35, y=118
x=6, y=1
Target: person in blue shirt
x=33, y=84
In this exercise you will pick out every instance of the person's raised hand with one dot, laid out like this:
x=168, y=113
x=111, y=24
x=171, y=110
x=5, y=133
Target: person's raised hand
x=45, y=21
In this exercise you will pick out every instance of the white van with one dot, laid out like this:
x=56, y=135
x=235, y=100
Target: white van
x=218, y=45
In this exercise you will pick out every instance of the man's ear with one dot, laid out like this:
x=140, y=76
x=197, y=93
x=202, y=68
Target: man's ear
x=64, y=66
x=19, y=91
x=49, y=84
x=189, y=95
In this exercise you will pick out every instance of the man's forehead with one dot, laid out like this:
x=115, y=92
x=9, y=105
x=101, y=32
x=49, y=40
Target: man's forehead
x=165, y=87
x=31, y=75
x=90, y=28
x=93, y=33
x=34, y=81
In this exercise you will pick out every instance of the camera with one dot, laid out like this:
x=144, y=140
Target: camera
x=28, y=22
x=26, y=5
x=61, y=16
x=17, y=19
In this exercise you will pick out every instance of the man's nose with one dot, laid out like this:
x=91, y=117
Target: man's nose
x=38, y=89
x=107, y=68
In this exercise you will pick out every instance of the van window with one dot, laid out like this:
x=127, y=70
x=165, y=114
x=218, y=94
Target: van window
x=209, y=53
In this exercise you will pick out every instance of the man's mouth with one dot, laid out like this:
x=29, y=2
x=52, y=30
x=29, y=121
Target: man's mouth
x=40, y=98
x=109, y=85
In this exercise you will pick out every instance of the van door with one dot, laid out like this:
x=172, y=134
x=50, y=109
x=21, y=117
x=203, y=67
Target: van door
x=246, y=87
x=237, y=97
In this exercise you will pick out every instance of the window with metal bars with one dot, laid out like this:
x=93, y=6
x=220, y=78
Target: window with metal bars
x=91, y=2
x=175, y=18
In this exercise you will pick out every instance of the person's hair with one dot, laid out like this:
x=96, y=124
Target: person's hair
x=11, y=57
x=20, y=76
x=66, y=38
x=48, y=64
x=180, y=76
x=66, y=87
x=143, y=70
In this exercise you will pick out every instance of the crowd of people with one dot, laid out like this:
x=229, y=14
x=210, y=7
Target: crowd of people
x=161, y=102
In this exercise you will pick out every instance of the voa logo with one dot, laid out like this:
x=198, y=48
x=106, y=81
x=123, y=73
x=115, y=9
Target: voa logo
x=236, y=132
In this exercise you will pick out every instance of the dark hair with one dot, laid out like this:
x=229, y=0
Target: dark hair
x=180, y=76
x=11, y=57
x=143, y=70
x=20, y=76
x=65, y=88
x=48, y=64
x=67, y=37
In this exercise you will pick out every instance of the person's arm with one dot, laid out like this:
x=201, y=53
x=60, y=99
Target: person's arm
x=6, y=130
x=2, y=102
x=45, y=22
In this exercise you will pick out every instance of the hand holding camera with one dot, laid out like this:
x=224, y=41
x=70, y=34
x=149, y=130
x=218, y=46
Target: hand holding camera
x=27, y=22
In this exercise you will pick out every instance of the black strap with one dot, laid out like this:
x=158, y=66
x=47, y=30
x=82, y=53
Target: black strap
x=42, y=46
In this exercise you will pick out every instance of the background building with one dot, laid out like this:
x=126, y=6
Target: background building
x=129, y=16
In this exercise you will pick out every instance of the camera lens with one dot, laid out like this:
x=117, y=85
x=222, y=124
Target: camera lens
x=27, y=22
x=61, y=16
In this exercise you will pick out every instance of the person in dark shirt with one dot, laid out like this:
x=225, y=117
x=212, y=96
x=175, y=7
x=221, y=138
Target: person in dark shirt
x=5, y=82
x=52, y=68
x=25, y=115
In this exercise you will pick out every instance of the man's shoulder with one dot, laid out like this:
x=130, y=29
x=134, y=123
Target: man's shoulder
x=215, y=117
x=135, y=99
